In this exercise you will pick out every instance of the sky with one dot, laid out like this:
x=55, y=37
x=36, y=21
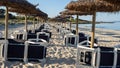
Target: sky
x=54, y=7
x=51, y=7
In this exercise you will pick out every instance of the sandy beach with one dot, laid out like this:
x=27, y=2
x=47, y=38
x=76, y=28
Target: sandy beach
x=60, y=56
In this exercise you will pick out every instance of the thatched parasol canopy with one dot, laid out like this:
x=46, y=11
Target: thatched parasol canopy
x=72, y=12
x=115, y=2
x=59, y=19
x=91, y=5
x=34, y=12
x=17, y=4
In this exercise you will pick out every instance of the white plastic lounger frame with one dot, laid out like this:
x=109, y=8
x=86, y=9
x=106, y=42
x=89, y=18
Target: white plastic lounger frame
x=26, y=52
x=88, y=42
x=3, y=44
x=43, y=42
x=18, y=32
x=69, y=37
x=83, y=48
x=1, y=34
x=42, y=33
x=95, y=60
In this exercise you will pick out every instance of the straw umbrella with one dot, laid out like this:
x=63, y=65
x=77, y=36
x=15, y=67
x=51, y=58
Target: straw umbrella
x=35, y=13
x=22, y=4
x=72, y=12
x=65, y=12
x=115, y=2
x=92, y=6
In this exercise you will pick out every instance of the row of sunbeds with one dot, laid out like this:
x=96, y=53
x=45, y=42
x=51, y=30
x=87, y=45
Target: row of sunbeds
x=96, y=57
x=26, y=46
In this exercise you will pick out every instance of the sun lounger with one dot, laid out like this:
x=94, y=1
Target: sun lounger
x=15, y=52
x=34, y=52
x=50, y=33
x=15, y=41
x=86, y=40
x=74, y=31
x=43, y=35
x=38, y=41
x=31, y=31
x=22, y=52
x=98, y=57
x=71, y=40
x=31, y=36
x=19, y=34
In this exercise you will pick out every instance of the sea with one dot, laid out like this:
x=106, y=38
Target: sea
x=113, y=26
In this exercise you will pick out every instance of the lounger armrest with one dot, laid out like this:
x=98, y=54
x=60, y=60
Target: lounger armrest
x=86, y=41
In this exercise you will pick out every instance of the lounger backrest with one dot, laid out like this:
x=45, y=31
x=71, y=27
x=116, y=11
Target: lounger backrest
x=36, y=52
x=37, y=30
x=74, y=31
x=41, y=27
x=31, y=32
x=20, y=36
x=118, y=58
x=70, y=40
x=48, y=32
x=106, y=56
x=31, y=36
x=81, y=34
x=81, y=39
x=43, y=35
x=13, y=41
x=15, y=52
x=95, y=40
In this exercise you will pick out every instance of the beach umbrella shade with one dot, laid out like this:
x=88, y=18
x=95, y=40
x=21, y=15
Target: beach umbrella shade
x=65, y=18
x=114, y=2
x=35, y=13
x=77, y=13
x=92, y=6
x=22, y=4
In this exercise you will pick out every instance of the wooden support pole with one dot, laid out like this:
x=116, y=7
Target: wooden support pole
x=33, y=24
x=77, y=25
x=6, y=23
x=26, y=23
x=93, y=30
x=70, y=21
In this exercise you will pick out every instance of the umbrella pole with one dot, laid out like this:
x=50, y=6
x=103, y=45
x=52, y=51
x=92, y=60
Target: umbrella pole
x=93, y=30
x=77, y=25
x=26, y=23
x=6, y=32
x=6, y=23
x=38, y=21
x=33, y=24
x=70, y=22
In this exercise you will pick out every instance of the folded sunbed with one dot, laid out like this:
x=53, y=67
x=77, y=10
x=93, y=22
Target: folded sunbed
x=98, y=57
